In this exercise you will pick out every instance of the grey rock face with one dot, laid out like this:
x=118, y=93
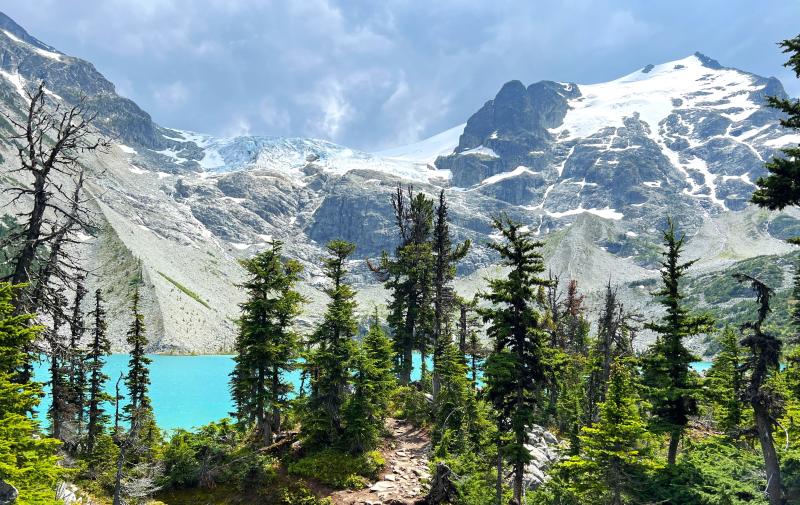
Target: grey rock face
x=593, y=169
x=8, y=493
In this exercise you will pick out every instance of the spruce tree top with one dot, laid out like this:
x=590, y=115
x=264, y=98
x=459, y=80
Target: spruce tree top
x=781, y=188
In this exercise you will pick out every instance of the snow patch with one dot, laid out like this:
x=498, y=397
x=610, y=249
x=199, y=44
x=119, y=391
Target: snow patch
x=126, y=149
x=507, y=175
x=783, y=141
x=481, y=150
x=605, y=212
x=426, y=151
x=650, y=96
x=38, y=50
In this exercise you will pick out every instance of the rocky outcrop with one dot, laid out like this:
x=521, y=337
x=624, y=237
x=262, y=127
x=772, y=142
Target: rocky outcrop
x=544, y=449
x=8, y=493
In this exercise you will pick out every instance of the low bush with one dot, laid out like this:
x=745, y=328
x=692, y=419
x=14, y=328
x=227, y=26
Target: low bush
x=339, y=469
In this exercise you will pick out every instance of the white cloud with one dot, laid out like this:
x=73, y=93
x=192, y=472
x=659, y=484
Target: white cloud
x=173, y=94
x=376, y=74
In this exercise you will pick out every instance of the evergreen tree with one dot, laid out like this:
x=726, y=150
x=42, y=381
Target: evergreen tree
x=575, y=326
x=514, y=372
x=373, y=383
x=137, y=380
x=672, y=385
x=59, y=411
x=28, y=460
x=616, y=328
x=614, y=451
x=761, y=365
x=450, y=412
x=77, y=357
x=267, y=346
x=725, y=382
x=99, y=348
x=408, y=276
x=469, y=341
x=332, y=357
x=445, y=258
x=781, y=188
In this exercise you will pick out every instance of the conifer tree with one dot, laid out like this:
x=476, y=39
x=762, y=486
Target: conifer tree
x=77, y=370
x=781, y=188
x=28, y=460
x=616, y=328
x=614, y=451
x=59, y=388
x=137, y=380
x=763, y=363
x=514, y=372
x=99, y=348
x=445, y=259
x=332, y=357
x=725, y=382
x=373, y=383
x=408, y=276
x=672, y=385
x=469, y=341
x=267, y=345
x=450, y=406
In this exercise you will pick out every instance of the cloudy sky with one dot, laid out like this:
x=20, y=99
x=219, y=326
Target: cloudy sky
x=373, y=74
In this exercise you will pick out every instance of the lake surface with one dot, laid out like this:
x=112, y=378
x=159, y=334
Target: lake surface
x=190, y=391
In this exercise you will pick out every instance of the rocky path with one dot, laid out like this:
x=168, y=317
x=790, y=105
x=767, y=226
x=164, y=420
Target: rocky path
x=401, y=481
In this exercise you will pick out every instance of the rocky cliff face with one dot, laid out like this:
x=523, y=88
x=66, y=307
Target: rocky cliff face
x=594, y=169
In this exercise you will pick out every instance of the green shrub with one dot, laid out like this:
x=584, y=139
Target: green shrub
x=412, y=405
x=338, y=469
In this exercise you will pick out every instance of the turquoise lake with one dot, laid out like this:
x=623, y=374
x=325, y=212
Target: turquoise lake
x=190, y=391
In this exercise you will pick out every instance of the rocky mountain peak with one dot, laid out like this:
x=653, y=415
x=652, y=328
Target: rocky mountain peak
x=12, y=30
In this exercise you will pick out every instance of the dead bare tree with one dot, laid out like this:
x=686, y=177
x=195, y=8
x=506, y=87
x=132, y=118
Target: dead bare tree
x=764, y=359
x=50, y=142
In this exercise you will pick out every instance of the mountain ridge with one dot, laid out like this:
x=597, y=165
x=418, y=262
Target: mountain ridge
x=589, y=167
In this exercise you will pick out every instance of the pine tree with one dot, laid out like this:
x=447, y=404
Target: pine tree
x=59, y=411
x=373, y=383
x=614, y=451
x=469, y=341
x=332, y=357
x=672, y=385
x=450, y=411
x=725, y=382
x=445, y=259
x=99, y=348
x=266, y=345
x=408, y=276
x=28, y=460
x=614, y=340
x=514, y=372
x=781, y=188
x=762, y=364
x=575, y=327
x=794, y=310
x=137, y=380
x=77, y=370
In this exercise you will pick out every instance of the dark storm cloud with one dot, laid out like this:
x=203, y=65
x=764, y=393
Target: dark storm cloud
x=372, y=74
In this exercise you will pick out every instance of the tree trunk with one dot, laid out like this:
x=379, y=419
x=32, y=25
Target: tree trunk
x=499, y=484
x=674, y=440
x=118, y=477
x=263, y=425
x=772, y=466
x=519, y=475
x=275, y=424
